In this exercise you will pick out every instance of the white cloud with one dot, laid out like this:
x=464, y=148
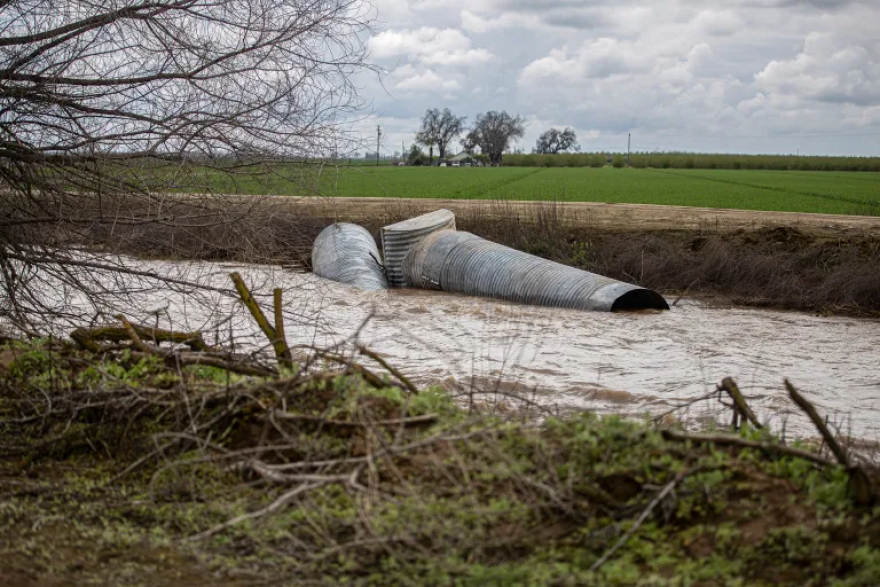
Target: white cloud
x=598, y=59
x=426, y=81
x=718, y=23
x=827, y=69
x=429, y=45
x=699, y=58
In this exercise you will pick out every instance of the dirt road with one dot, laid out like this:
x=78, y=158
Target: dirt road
x=599, y=215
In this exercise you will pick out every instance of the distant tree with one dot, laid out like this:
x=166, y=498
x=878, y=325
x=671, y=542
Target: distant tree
x=598, y=160
x=618, y=161
x=429, y=142
x=493, y=132
x=415, y=156
x=556, y=141
x=439, y=128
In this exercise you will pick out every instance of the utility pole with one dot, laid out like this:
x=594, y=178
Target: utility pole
x=378, y=140
x=628, y=142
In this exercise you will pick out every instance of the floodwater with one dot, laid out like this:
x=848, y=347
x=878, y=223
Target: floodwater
x=627, y=363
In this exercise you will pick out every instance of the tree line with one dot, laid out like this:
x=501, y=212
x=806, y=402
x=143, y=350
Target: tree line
x=673, y=160
x=492, y=135
x=487, y=139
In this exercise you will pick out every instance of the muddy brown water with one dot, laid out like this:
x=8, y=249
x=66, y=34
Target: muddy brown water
x=625, y=363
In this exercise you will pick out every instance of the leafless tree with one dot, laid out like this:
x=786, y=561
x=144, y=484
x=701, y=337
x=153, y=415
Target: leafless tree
x=555, y=141
x=493, y=132
x=439, y=128
x=106, y=106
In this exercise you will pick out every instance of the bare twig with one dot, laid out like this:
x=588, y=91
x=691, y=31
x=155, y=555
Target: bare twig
x=810, y=410
x=276, y=505
x=641, y=519
x=400, y=376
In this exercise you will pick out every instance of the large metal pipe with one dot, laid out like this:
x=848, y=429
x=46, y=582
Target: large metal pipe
x=464, y=263
x=399, y=238
x=347, y=253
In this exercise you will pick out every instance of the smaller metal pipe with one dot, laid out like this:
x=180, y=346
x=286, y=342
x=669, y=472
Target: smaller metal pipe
x=347, y=253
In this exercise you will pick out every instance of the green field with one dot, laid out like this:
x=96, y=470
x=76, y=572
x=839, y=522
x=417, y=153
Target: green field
x=788, y=191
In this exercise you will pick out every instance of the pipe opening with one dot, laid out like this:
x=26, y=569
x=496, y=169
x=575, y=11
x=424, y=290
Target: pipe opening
x=640, y=299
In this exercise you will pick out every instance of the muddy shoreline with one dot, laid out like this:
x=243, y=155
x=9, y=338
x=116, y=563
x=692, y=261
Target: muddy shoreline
x=808, y=262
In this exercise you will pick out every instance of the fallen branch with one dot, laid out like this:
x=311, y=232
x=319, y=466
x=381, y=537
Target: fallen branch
x=88, y=338
x=133, y=335
x=207, y=360
x=424, y=419
x=365, y=373
x=728, y=440
x=375, y=356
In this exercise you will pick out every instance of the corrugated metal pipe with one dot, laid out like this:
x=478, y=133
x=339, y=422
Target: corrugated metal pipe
x=347, y=253
x=464, y=263
x=399, y=238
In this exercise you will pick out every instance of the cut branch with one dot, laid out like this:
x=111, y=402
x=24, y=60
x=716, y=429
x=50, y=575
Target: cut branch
x=739, y=402
x=282, y=352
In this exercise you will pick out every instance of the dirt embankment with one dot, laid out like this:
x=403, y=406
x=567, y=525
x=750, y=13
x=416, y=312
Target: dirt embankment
x=813, y=262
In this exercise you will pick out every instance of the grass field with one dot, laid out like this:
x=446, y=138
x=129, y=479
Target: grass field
x=785, y=191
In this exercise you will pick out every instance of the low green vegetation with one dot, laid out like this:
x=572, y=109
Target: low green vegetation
x=703, y=161
x=117, y=469
x=788, y=191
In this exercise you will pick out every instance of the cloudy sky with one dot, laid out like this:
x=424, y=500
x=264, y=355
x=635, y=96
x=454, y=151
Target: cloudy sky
x=769, y=76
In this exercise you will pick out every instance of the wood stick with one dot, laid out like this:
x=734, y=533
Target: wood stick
x=810, y=410
x=365, y=373
x=188, y=359
x=728, y=440
x=400, y=376
x=135, y=339
x=732, y=389
x=424, y=419
x=87, y=337
x=254, y=308
x=279, y=325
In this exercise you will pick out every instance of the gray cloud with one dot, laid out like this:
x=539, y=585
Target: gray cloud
x=709, y=72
